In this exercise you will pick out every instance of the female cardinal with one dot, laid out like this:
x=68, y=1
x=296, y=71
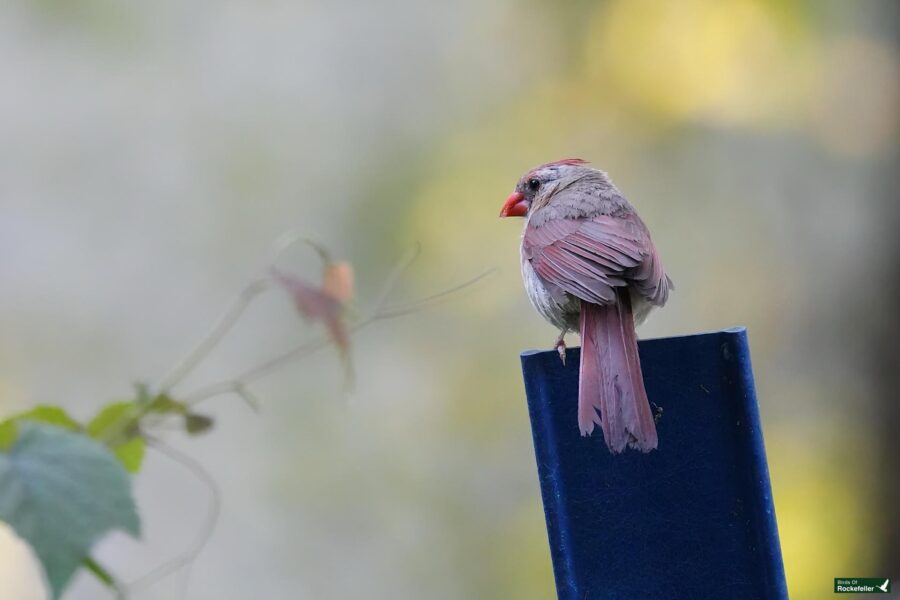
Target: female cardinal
x=589, y=265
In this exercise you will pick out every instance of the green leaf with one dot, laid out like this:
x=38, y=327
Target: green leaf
x=61, y=491
x=114, y=426
x=163, y=403
x=131, y=454
x=52, y=415
x=112, y=421
x=196, y=424
x=8, y=434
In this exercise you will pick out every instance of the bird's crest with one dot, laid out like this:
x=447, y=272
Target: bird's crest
x=566, y=161
x=556, y=163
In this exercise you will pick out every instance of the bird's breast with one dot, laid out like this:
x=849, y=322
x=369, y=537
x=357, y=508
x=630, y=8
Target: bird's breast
x=561, y=314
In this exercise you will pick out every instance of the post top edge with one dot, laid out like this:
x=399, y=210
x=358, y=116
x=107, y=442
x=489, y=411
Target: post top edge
x=737, y=330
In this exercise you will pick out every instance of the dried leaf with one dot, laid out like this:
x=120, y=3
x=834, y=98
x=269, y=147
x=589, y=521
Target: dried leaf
x=317, y=305
x=338, y=281
x=196, y=424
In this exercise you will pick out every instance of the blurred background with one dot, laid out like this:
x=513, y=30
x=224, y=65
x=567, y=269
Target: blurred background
x=153, y=151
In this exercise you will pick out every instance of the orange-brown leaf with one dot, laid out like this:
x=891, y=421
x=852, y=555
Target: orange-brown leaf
x=338, y=281
x=316, y=305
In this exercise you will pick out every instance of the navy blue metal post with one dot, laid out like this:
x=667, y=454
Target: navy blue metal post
x=691, y=520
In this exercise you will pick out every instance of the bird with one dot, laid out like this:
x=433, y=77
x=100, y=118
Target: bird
x=589, y=266
x=884, y=586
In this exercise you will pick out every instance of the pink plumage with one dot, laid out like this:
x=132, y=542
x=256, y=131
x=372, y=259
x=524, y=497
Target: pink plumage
x=589, y=265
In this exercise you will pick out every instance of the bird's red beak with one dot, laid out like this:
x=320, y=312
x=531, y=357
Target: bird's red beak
x=515, y=206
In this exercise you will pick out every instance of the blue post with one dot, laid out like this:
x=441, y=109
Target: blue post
x=693, y=519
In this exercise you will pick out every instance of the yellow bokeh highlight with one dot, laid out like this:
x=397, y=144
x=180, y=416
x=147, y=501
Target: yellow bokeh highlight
x=732, y=62
x=825, y=524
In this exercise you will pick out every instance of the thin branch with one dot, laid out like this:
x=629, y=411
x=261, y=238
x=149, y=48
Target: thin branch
x=281, y=245
x=240, y=304
x=394, y=277
x=313, y=346
x=104, y=576
x=232, y=385
x=222, y=388
x=209, y=523
x=250, y=399
x=212, y=339
x=323, y=252
x=399, y=311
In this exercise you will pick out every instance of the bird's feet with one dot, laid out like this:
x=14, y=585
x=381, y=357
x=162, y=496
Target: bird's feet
x=561, y=347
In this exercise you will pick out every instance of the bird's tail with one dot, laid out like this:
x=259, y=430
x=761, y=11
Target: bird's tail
x=610, y=379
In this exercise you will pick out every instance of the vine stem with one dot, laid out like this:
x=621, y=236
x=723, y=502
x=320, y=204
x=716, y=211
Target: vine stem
x=212, y=339
x=105, y=577
x=186, y=557
x=238, y=384
x=227, y=321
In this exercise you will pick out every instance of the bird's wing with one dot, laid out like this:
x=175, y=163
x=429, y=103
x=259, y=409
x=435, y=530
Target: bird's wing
x=587, y=258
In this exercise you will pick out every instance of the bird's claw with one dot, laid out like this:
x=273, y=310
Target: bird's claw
x=561, y=350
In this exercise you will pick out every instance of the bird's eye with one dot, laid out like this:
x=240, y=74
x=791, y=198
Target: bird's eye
x=533, y=184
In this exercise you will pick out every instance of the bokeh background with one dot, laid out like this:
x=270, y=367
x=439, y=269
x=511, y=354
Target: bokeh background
x=151, y=153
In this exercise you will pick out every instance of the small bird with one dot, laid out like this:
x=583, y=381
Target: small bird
x=589, y=265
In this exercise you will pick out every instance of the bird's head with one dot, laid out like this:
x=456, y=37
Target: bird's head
x=535, y=182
